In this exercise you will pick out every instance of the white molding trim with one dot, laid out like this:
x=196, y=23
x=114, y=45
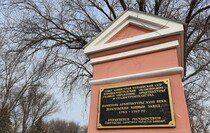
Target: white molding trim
x=132, y=40
x=140, y=51
x=162, y=27
x=130, y=20
x=162, y=72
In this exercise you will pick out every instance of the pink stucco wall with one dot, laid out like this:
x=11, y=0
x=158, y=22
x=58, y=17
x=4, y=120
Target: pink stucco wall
x=142, y=63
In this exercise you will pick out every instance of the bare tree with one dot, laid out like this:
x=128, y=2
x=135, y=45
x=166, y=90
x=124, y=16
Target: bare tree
x=60, y=126
x=39, y=127
x=200, y=121
x=33, y=107
x=23, y=99
x=60, y=29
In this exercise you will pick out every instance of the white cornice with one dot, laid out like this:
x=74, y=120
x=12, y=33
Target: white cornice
x=160, y=26
x=156, y=73
x=145, y=50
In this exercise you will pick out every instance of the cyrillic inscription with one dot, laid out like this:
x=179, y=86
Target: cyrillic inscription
x=140, y=105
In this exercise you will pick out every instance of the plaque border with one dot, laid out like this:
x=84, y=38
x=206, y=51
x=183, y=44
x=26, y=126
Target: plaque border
x=172, y=123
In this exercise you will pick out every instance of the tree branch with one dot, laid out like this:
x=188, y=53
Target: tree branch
x=100, y=9
x=199, y=11
x=197, y=71
x=142, y=4
x=157, y=6
x=192, y=7
x=122, y=2
x=111, y=9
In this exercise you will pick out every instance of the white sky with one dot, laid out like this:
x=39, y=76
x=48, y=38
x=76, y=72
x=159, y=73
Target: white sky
x=74, y=110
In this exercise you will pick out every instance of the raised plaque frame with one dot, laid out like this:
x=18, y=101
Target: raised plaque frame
x=171, y=123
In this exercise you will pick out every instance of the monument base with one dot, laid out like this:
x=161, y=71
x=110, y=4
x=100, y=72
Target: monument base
x=179, y=108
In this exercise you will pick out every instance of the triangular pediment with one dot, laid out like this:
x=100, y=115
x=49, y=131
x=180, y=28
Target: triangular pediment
x=129, y=31
x=133, y=27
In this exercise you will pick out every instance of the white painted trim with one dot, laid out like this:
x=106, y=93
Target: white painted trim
x=163, y=72
x=162, y=27
x=132, y=40
x=131, y=20
x=146, y=50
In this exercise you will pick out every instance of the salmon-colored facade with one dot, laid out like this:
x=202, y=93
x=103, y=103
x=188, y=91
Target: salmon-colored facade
x=130, y=64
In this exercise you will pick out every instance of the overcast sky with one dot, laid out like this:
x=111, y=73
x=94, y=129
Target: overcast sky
x=74, y=110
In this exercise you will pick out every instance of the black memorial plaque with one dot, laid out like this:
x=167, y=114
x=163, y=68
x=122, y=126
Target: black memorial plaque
x=133, y=106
